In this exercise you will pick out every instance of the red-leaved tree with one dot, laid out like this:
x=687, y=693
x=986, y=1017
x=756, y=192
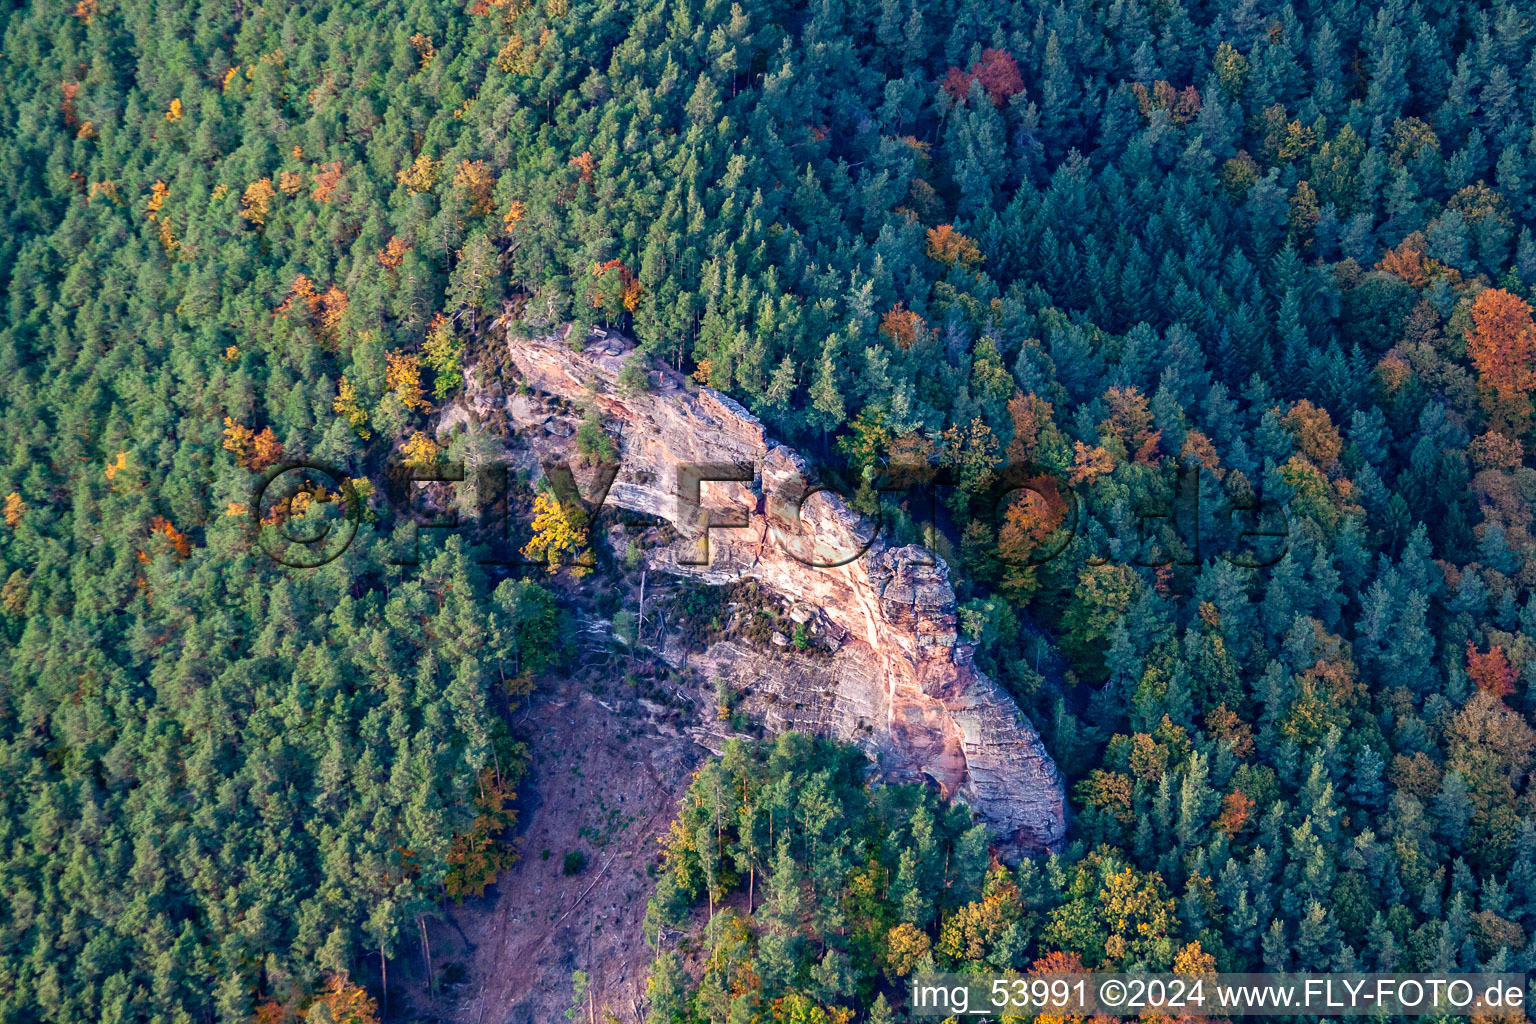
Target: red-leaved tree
x=998, y=73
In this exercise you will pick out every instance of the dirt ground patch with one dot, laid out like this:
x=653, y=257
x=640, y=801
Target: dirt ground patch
x=606, y=776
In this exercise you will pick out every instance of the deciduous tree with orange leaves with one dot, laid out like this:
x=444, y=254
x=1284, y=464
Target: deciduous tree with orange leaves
x=1089, y=464
x=1495, y=451
x=948, y=246
x=1031, y=416
x=1031, y=516
x=346, y=1003
x=614, y=289
x=323, y=309
x=477, y=856
x=15, y=508
x=302, y=294
x=393, y=253
x=252, y=450
x=902, y=326
x=1236, y=811
x=1490, y=670
x=327, y=178
x=179, y=543
x=1058, y=963
x=1314, y=433
x=1502, y=344
x=1129, y=425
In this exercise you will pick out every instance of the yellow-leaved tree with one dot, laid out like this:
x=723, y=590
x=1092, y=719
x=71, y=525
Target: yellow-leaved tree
x=257, y=201
x=403, y=377
x=421, y=176
x=475, y=180
x=347, y=404
x=421, y=451
x=559, y=534
x=345, y=1003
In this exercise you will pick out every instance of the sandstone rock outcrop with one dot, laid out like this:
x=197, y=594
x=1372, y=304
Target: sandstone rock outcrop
x=902, y=684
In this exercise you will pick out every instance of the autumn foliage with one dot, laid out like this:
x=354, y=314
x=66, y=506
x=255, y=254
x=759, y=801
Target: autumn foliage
x=346, y=1003
x=15, y=508
x=403, y=378
x=257, y=201
x=515, y=213
x=1031, y=416
x=1236, y=812
x=323, y=309
x=971, y=930
x=519, y=56
x=1502, y=344
x=559, y=533
x=421, y=176
x=1181, y=104
x=393, y=253
x=1053, y=964
x=1090, y=463
x=997, y=72
x=948, y=246
x=1035, y=513
x=905, y=949
x=1056, y=327
x=475, y=180
x=421, y=452
x=67, y=104
x=119, y=463
x=178, y=540
x=327, y=178
x=1198, y=448
x=902, y=326
x=1128, y=429
x=1409, y=262
x=614, y=289
x=1314, y=433
x=476, y=857
x=1490, y=670
x=346, y=403
x=252, y=450
x=158, y=193
x=1495, y=451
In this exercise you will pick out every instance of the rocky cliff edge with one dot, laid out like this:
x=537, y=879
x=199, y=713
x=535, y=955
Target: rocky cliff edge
x=902, y=684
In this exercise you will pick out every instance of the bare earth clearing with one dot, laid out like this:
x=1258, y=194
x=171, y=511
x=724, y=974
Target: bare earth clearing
x=605, y=780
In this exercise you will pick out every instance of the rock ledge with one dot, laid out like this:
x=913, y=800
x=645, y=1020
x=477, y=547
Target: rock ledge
x=903, y=685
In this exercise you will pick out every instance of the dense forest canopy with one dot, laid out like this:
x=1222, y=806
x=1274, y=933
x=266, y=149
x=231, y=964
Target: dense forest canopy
x=1288, y=244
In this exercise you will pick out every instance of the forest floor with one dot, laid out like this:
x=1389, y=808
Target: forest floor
x=607, y=770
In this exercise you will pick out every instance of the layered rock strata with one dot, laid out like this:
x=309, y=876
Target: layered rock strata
x=901, y=684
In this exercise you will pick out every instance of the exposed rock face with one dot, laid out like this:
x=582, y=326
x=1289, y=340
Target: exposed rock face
x=902, y=685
